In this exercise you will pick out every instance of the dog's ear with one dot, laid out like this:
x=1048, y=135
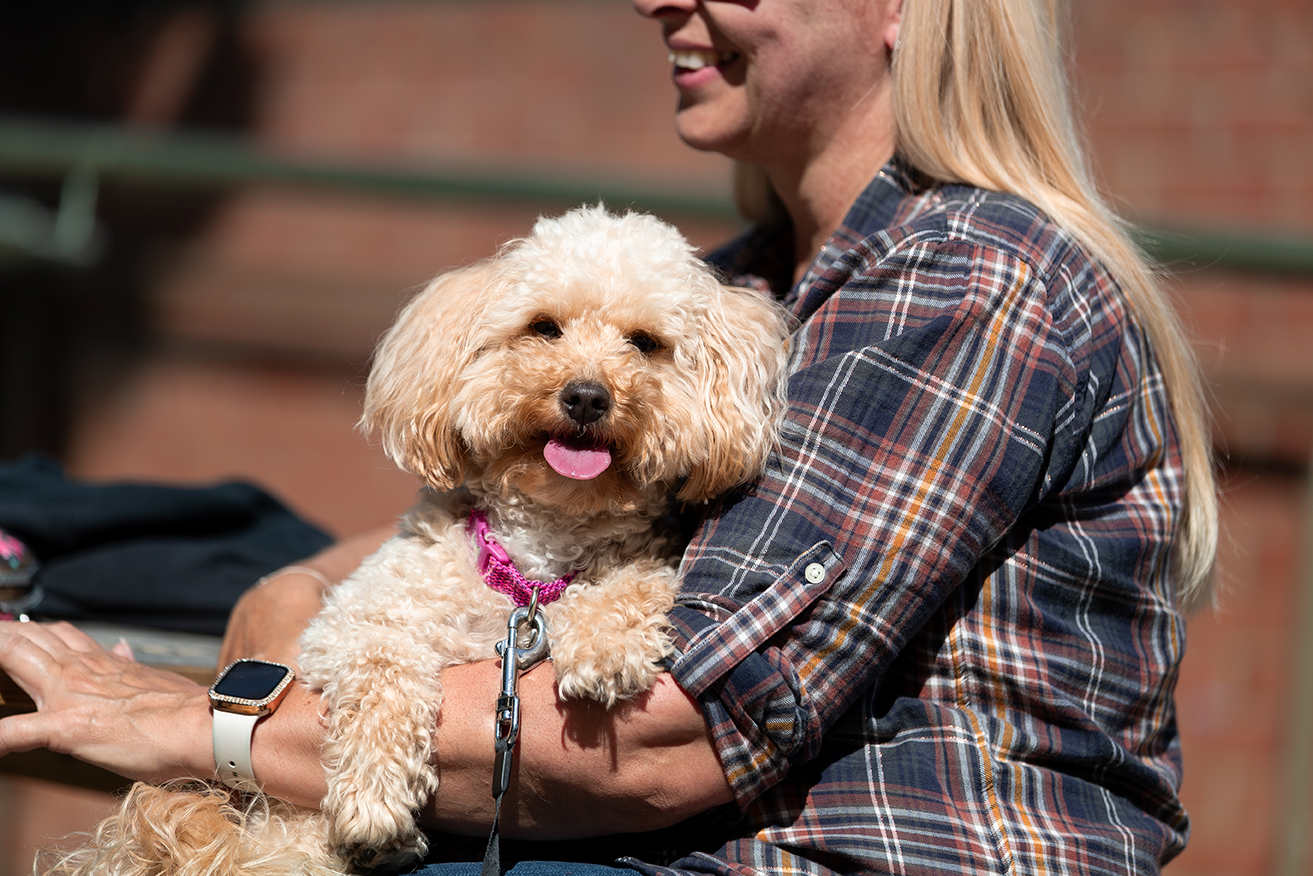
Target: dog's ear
x=416, y=373
x=742, y=381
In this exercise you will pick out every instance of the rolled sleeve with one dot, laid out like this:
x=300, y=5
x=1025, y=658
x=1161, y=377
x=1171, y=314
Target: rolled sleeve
x=761, y=692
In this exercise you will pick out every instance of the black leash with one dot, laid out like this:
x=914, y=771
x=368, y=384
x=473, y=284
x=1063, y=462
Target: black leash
x=506, y=726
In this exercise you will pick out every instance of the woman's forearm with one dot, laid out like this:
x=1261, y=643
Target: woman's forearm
x=285, y=750
x=580, y=769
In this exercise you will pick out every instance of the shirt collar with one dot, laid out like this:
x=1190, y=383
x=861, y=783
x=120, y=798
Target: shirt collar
x=763, y=257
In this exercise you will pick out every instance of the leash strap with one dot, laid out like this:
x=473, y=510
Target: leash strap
x=515, y=659
x=492, y=855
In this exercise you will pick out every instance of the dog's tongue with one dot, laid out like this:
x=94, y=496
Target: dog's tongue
x=579, y=461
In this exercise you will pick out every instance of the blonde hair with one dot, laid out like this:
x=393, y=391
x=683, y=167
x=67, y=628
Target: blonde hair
x=980, y=97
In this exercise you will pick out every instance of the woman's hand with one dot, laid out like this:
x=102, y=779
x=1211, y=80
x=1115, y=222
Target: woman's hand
x=103, y=707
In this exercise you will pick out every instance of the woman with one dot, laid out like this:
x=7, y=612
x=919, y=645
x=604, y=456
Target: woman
x=941, y=633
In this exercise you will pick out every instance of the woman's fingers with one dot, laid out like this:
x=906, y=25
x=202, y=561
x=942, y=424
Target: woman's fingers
x=39, y=634
x=25, y=660
x=22, y=732
x=57, y=639
x=43, y=658
x=102, y=707
x=71, y=636
x=123, y=649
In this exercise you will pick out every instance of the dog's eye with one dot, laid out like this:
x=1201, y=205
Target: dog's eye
x=644, y=343
x=546, y=328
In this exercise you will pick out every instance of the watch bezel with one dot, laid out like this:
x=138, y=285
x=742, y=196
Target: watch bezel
x=247, y=705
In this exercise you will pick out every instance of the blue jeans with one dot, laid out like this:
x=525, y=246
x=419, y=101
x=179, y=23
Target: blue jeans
x=525, y=868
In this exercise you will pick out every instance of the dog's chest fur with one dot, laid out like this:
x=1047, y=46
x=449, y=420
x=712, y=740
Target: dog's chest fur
x=426, y=582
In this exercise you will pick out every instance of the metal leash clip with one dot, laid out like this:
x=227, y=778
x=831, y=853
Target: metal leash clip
x=515, y=660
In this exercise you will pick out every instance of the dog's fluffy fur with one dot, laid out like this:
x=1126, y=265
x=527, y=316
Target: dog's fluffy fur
x=466, y=392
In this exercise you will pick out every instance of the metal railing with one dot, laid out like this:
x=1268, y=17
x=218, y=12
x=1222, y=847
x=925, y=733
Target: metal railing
x=84, y=155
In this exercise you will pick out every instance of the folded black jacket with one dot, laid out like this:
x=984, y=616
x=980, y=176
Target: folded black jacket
x=160, y=556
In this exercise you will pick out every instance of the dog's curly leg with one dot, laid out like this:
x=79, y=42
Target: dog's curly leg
x=608, y=640
x=377, y=755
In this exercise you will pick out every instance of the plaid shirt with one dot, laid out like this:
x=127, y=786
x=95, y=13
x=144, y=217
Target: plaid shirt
x=939, y=635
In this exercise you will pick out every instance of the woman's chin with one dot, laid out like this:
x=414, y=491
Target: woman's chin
x=711, y=126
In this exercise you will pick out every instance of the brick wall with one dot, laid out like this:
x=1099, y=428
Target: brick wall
x=1201, y=111
x=574, y=88
x=1200, y=114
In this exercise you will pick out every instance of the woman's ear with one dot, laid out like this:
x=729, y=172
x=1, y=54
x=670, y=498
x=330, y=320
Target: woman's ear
x=416, y=373
x=893, y=17
x=742, y=381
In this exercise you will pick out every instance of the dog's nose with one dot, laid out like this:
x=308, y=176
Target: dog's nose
x=585, y=402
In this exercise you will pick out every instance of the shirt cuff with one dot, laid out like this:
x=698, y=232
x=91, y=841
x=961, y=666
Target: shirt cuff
x=755, y=703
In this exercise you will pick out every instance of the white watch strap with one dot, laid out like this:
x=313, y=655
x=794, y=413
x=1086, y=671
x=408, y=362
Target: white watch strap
x=232, y=749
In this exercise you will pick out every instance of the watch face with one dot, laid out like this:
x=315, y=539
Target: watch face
x=251, y=680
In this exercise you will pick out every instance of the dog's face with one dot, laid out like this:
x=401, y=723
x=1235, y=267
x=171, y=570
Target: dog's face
x=592, y=366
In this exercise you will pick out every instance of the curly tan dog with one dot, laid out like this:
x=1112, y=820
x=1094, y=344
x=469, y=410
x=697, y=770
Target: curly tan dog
x=558, y=401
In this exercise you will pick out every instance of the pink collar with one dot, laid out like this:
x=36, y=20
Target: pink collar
x=499, y=571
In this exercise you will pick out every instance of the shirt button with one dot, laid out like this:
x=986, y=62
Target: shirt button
x=815, y=573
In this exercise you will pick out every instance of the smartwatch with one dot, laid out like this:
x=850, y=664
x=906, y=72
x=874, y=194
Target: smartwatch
x=243, y=693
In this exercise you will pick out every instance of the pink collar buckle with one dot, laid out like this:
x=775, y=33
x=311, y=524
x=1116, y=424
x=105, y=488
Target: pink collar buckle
x=500, y=572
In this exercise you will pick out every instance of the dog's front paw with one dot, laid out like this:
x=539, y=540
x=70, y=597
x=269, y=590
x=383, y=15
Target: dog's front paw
x=402, y=854
x=609, y=665
x=609, y=641
x=377, y=767
x=606, y=678
x=371, y=834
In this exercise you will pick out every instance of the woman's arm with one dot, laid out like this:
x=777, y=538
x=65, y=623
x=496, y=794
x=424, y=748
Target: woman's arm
x=144, y=723
x=268, y=619
x=581, y=770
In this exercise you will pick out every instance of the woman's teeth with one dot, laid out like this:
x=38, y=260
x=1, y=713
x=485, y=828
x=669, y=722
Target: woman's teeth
x=696, y=59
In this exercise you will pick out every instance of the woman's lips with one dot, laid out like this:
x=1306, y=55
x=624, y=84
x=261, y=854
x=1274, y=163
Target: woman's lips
x=696, y=59
x=692, y=67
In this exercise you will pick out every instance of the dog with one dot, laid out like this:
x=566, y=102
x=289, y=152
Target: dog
x=559, y=401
